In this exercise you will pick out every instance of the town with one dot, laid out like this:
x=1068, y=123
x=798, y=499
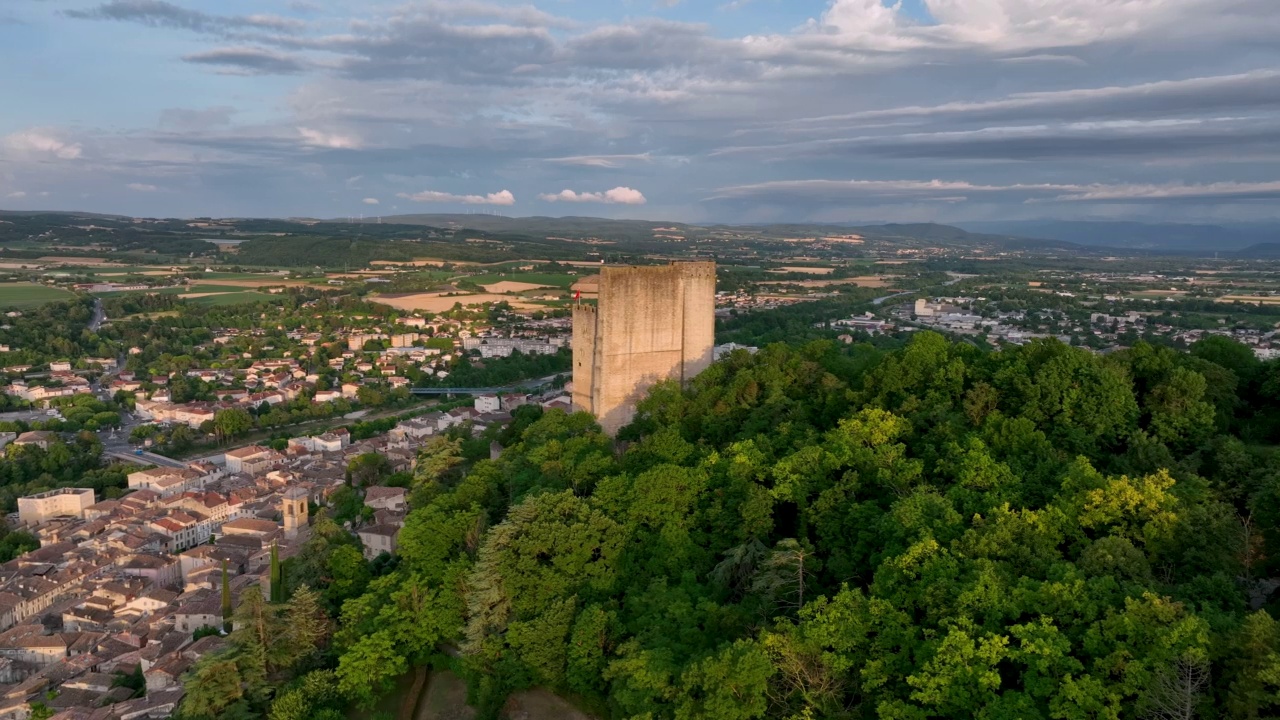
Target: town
x=171, y=460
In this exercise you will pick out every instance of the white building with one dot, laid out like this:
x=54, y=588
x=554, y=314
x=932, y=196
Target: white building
x=63, y=502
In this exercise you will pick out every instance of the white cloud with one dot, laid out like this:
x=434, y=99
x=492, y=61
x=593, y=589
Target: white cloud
x=1255, y=88
x=142, y=187
x=319, y=138
x=853, y=190
x=599, y=161
x=502, y=197
x=616, y=196
x=17, y=194
x=1173, y=191
x=42, y=142
x=1007, y=25
x=370, y=201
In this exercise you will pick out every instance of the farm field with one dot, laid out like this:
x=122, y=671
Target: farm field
x=1255, y=299
x=231, y=298
x=269, y=281
x=508, y=286
x=30, y=294
x=1158, y=294
x=809, y=270
x=868, y=281
x=76, y=261
x=237, y=276
x=437, y=303
x=102, y=271
x=539, y=279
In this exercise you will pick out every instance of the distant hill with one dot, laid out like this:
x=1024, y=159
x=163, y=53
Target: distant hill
x=643, y=232
x=62, y=213
x=1156, y=237
x=1261, y=251
x=576, y=227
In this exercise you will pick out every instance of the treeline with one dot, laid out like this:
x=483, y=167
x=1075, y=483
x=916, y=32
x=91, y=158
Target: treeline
x=330, y=252
x=29, y=469
x=844, y=532
x=794, y=323
x=52, y=331
x=499, y=372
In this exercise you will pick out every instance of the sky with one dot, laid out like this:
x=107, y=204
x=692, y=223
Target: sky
x=742, y=111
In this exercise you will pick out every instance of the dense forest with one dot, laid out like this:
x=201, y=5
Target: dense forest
x=825, y=531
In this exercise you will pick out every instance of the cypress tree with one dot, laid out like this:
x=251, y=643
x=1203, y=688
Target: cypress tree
x=277, y=576
x=226, y=599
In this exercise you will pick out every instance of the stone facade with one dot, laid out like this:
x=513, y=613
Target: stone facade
x=650, y=324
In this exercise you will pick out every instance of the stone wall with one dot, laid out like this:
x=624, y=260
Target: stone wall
x=650, y=324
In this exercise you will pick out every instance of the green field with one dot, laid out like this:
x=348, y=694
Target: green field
x=560, y=281
x=216, y=288
x=30, y=294
x=118, y=269
x=195, y=288
x=266, y=279
x=233, y=298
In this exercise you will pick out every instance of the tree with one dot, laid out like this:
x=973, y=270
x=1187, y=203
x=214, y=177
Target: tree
x=784, y=574
x=215, y=685
x=314, y=693
x=730, y=685
x=306, y=626
x=348, y=574
x=367, y=469
x=231, y=422
x=277, y=577
x=226, y=599
x=1176, y=692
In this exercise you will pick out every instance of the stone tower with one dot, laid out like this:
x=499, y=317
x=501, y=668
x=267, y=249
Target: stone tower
x=651, y=323
x=295, y=511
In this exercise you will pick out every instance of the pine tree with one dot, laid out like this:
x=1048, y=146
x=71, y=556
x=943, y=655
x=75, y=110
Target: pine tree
x=226, y=599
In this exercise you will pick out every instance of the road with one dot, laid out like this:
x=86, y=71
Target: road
x=145, y=458
x=955, y=278
x=99, y=316
x=26, y=416
x=880, y=300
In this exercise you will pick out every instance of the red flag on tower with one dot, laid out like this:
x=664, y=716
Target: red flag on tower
x=578, y=296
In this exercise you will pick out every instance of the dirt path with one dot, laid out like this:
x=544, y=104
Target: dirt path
x=444, y=699
x=410, y=701
x=541, y=704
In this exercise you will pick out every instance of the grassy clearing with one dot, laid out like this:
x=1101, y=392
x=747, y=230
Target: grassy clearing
x=30, y=294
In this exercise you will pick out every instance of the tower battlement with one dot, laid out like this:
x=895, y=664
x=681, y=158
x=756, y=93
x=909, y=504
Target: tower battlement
x=651, y=323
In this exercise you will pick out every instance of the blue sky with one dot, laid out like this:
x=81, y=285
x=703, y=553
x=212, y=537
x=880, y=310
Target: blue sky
x=693, y=110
